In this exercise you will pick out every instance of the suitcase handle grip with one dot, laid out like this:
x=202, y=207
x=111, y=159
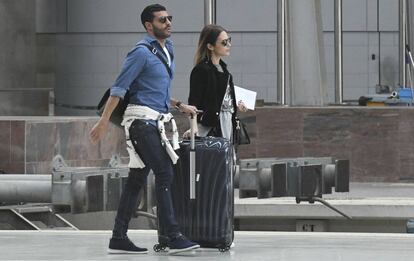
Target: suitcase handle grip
x=193, y=129
x=193, y=126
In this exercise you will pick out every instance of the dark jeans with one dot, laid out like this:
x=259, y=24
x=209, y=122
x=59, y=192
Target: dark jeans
x=147, y=143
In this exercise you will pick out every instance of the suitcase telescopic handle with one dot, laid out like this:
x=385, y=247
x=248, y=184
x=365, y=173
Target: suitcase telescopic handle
x=193, y=127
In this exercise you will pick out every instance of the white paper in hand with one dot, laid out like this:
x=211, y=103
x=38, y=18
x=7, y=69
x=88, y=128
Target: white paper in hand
x=248, y=97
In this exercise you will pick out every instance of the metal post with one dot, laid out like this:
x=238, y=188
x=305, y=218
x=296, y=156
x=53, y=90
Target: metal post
x=281, y=83
x=209, y=12
x=403, y=27
x=338, y=53
x=410, y=66
x=288, y=51
x=409, y=5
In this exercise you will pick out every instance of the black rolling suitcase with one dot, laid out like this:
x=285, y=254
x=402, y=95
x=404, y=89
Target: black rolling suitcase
x=203, y=193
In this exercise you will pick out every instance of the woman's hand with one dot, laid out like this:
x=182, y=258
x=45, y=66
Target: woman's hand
x=241, y=107
x=187, y=134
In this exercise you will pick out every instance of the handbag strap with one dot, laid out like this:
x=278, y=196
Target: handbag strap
x=154, y=50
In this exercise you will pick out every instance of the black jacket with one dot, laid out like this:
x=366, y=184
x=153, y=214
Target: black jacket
x=207, y=92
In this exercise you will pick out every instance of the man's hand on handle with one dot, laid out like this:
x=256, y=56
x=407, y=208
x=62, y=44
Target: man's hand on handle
x=188, y=109
x=193, y=125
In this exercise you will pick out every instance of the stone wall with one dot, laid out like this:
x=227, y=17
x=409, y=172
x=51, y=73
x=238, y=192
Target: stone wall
x=30, y=143
x=378, y=141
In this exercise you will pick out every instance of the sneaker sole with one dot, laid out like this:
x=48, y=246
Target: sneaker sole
x=176, y=251
x=117, y=251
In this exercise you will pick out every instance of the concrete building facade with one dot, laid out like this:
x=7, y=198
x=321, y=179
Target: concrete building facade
x=78, y=46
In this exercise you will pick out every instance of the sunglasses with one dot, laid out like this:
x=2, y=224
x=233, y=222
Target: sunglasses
x=163, y=19
x=226, y=42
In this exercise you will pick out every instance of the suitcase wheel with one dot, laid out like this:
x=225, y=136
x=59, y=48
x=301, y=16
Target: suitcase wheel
x=159, y=247
x=224, y=249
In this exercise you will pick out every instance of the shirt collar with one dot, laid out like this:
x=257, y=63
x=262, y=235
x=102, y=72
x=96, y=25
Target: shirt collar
x=150, y=39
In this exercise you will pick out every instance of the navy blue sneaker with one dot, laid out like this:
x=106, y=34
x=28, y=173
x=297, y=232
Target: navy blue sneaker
x=124, y=246
x=181, y=244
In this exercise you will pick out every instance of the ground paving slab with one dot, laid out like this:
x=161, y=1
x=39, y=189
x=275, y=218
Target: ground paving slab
x=289, y=246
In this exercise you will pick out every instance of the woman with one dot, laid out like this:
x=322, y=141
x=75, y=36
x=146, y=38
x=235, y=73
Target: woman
x=211, y=85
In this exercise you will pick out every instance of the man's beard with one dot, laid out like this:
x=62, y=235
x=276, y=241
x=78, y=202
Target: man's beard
x=161, y=34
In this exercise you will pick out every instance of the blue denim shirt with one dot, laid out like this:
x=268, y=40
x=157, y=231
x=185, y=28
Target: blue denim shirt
x=146, y=77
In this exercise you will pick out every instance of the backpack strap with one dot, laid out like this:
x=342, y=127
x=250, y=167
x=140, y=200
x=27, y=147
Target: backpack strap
x=154, y=50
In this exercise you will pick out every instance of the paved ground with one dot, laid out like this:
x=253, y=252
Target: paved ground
x=289, y=246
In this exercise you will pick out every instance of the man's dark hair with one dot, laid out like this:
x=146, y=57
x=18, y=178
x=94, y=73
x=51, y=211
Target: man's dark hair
x=147, y=14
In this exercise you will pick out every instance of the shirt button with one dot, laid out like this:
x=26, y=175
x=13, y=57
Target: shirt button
x=217, y=113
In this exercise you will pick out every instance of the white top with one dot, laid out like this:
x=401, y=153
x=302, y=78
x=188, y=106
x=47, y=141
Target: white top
x=167, y=54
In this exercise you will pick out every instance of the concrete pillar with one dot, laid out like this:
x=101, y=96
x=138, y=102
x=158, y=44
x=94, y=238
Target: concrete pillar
x=307, y=72
x=17, y=59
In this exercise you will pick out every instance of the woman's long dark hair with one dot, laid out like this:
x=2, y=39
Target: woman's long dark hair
x=208, y=35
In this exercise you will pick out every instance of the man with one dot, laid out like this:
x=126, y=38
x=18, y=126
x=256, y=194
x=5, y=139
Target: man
x=147, y=75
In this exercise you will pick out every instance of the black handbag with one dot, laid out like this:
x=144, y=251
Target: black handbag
x=241, y=135
x=118, y=113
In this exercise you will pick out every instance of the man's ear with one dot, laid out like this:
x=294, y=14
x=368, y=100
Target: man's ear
x=148, y=26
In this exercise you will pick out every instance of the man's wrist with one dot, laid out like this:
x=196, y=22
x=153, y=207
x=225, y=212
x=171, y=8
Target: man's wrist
x=178, y=104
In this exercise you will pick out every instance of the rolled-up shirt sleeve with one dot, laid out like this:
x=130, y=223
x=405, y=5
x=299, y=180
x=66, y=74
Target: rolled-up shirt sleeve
x=132, y=67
